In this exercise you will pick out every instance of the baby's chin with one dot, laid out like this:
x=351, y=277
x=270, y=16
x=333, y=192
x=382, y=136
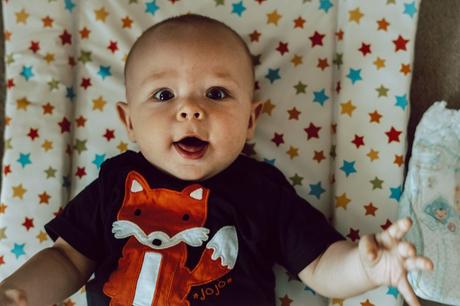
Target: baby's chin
x=193, y=173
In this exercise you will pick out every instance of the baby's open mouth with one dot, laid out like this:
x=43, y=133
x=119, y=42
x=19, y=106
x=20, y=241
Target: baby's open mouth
x=191, y=147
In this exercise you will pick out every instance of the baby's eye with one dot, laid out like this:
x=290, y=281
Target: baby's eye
x=217, y=93
x=163, y=94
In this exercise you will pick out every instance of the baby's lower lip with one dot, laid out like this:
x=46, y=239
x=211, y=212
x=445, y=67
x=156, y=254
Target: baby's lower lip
x=189, y=152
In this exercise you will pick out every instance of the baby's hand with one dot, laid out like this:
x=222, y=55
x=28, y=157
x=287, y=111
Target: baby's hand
x=387, y=259
x=12, y=297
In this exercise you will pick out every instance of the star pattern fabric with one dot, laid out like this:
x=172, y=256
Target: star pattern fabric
x=331, y=118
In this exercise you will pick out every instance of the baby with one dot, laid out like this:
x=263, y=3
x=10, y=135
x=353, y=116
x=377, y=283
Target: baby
x=188, y=220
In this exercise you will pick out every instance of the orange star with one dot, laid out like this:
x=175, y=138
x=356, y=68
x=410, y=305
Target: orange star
x=339, y=35
x=84, y=33
x=127, y=22
x=319, y=156
x=47, y=22
x=3, y=208
x=405, y=69
x=254, y=36
x=44, y=197
x=399, y=160
x=383, y=24
x=285, y=300
x=47, y=108
x=299, y=22
x=297, y=60
x=293, y=113
x=367, y=303
x=375, y=117
x=370, y=209
x=322, y=63
x=268, y=107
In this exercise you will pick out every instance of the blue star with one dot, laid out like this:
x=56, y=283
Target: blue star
x=27, y=72
x=66, y=182
x=151, y=7
x=395, y=193
x=401, y=101
x=69, y=5
x=18, y=250
x=24, y=159
x=393, y=291
x=98, y=160
x=316, y=190
x=104, y=71
x=270, y=161
x=70, y=93
x=348, y=167
x=354, y=75
x=410, y=9
x=320, y=96
x=273, y=75
x=238, y=8
x=325, y=5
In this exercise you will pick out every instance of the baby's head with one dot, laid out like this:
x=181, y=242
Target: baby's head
x=189, y=89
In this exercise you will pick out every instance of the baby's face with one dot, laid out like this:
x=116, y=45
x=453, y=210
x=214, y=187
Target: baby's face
x=189, y=104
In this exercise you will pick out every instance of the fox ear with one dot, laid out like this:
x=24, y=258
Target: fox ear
x=196, y=192
x=136, y=189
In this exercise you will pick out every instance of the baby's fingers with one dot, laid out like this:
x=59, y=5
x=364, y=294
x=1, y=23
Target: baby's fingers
x=407, y=292
x=418, y=263
x=395, y=232
x=13, y=297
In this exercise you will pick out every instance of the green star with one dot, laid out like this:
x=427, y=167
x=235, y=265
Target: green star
x=219, y=2
x=2, y=233
x=338, y=60
x=50, y=172
x=383, y=91
x=132, y=1
x=9, y=59
x=296, y=180
x=8, y=145
x=300, y=88
x=53, y=84
x=85, y=56
x=376, y=183
x=80, y=146
x=332, y=153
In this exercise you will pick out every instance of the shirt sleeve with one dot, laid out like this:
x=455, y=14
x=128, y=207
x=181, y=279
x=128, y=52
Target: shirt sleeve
x=79, y=224
x=303, y=232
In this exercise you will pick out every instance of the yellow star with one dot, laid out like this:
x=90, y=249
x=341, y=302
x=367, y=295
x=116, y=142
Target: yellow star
x=125, y=57
x=293, y=152
x=8, y=145
x=373, y=154
x=379, y=63
x=355, y=15
x=337, y=301
x=347, y=108
x=99, y=103
x=342, y=201
x=391, y=1
x=3, y=208
x=42, y=236
x=49, y=57
x=101, y=14
x=21, y=16
x=47, y=145
x=273, y=17
x=268, y=107
x=19, y=191
x=296, y=60
x=22, y=103
x=122, y=146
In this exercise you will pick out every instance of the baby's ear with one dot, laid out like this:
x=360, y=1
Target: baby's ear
x=256, y=108
x=125, y=118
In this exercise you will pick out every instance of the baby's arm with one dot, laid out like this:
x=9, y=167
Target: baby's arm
x=346, y=269
x=48, y=277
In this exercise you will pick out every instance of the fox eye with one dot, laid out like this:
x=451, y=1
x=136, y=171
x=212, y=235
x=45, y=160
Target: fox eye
x=137, y=212
x=217, y=93
x=186, y=217
x=163, y=94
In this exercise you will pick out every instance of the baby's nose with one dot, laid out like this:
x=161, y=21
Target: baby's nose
x=191, y=115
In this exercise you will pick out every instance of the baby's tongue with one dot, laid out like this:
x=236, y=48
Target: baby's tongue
x=191, y=144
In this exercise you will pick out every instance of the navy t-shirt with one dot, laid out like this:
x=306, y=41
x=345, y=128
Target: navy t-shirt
x=157, y=239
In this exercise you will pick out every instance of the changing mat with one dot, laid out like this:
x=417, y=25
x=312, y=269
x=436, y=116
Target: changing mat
x=333, y=76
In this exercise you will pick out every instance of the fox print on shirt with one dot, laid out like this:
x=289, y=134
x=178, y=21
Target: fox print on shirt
x=159, y=224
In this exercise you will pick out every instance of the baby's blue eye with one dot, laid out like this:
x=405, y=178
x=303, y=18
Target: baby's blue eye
x=163, y=95
x=217, y=93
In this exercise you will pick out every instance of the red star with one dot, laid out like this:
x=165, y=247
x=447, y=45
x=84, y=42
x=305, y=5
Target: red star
x=400, y=43
x=65, y=125
x=365, y=49
x=370, y=209
x=375, y=117
x=358, y=141
x=34, y=46
x=353, y=234
x=386, y=225
x=85, y=83
x=393, y=135
x=278, y=139
x=44, y=197
x=399, y=160
x=66, y=38
x=317, y=39
x=2, y=260
x=7, y=170
x=10, y=83
x=68, y=150
x=334, y=128
x=312, y=131
x=319, y=156
x=294, y=113
x=28, y=223
x=109, y=134
x=71, y=61
x=322, y=63
x=285, y=300
x=260, y=1
x=113, y=46
x=299, y=22
x=339, y=35
x=80, y=121
x=173, y=1
x=282, y=48
x=81, y=172
x=254, y=36
x=47, y=108
x=338, y=87
x=33, y=133
x=84, y=33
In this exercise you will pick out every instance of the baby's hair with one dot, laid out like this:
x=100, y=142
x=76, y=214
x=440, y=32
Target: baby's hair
x=190, y=19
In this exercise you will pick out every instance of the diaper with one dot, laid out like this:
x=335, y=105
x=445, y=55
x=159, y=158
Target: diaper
x=431, y=198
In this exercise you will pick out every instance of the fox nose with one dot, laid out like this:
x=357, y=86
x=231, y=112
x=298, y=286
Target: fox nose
x=156, y=242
